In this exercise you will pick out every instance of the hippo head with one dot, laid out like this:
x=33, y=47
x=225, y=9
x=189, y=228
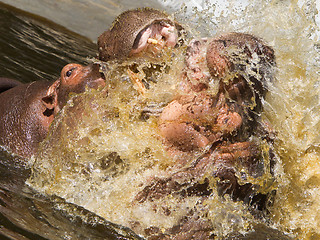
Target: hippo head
x=74, y=78
x=244, y=64
x=138, y=31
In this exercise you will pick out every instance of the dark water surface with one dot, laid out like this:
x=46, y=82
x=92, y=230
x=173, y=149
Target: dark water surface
x=34, y=48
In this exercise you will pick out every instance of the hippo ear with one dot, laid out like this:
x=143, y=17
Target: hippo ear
x=50, y=101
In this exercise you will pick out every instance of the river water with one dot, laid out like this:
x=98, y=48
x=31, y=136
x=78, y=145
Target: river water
x=66, y=167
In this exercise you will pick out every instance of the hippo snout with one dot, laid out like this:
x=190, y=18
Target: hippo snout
x=97, y=79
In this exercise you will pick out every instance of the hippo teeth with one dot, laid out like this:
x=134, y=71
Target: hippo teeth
x=152, y=41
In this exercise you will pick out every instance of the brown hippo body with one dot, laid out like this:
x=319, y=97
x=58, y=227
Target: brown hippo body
x=27, y=110
x=244, y=65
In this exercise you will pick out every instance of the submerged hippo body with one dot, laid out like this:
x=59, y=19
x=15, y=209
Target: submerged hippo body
x=27, y=110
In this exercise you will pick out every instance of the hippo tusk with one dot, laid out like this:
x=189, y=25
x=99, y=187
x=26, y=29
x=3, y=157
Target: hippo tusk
x=152, y=41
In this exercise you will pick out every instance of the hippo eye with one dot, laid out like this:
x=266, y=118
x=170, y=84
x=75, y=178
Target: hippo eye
x=68, y=73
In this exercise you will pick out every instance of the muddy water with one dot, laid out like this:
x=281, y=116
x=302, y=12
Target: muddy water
x=110, y=152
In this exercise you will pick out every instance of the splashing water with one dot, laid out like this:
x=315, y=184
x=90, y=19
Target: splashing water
x=102, y=149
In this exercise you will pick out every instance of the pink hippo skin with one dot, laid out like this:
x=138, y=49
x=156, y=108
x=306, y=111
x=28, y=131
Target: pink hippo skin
x=27, y=110
x=195, y=121
x=198, y=119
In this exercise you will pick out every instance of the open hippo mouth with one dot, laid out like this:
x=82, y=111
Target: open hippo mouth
x=98, y=80
x=158, y=35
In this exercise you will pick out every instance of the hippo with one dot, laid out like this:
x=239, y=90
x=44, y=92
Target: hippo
x=138, y=32
x=194, y=121
x=197, y=118
x=230, y=58
x=138, y=35
x=225, y=127
x=27, y=110
x=210, y=134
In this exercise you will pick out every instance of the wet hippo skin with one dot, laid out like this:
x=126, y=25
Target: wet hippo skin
x=198, y=118
x=196, y=121
x=27, y=110
x=249, y=60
